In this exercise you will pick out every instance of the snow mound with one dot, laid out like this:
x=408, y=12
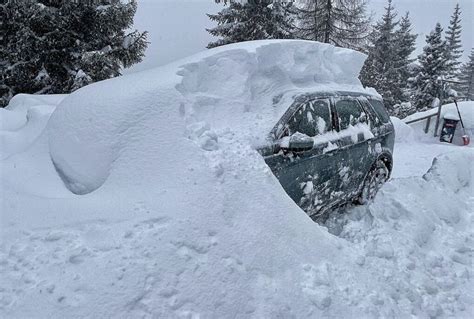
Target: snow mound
x=419, y=231
x=453, y=170
x=188, y=221
x=403, y=132
x=10, y=121
x=22, y=121
x=235, y=92
x=14, y=116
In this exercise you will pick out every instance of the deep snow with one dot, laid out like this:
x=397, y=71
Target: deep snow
x=182, y=218
x=235, y=93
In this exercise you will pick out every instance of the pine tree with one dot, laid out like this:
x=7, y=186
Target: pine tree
x=405, y=46
x=387, y=67
x=343, y=23
x=433, y=68
x=466, y=77
x=57, y=46
x=453, y=40
x=251, y=20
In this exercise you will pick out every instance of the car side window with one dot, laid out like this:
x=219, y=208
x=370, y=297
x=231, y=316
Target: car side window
x=350, y=113
x=312, y=118
x=379, y=108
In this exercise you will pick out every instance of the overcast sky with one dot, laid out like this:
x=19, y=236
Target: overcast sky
x=177, y=27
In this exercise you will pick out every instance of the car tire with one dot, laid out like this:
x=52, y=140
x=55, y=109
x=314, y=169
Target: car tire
x=374, y=180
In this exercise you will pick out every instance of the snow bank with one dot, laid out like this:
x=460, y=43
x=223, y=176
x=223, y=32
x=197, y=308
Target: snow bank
x=23, y=102
x=234, y=92
x=416, y=239
x=180, y=216
x=22, y=121
x=453, y=171
x=248, y=253
x=403, y=132
x=14, y=116
x=10, y=121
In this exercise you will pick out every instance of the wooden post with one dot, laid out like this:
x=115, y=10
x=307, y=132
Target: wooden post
x=438, y=115
x=427, y=127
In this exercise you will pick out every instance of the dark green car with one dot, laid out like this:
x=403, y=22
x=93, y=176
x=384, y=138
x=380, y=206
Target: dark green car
x=331, y=148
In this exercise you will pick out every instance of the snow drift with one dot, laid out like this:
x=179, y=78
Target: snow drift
x=23, y=120
x=239, y=91
x=404, y=132
x=180, y=217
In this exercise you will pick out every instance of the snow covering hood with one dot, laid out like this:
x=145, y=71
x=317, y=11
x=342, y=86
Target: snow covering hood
x=235, y=92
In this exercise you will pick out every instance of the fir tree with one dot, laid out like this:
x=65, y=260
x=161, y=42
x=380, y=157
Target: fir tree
x=433, y=62
x=453, y=40
x=343, y=23
x=57, y=46
x=405, y=45
x=242, y=21
x=387, y=67
x=466, y=77
x=380, y=68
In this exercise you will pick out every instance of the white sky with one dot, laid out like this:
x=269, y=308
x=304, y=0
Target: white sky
x=177, y=27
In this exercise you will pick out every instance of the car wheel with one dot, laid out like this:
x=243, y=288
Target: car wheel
x=374, y=180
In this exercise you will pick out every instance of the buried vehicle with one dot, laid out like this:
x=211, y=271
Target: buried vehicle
x=331, y=148
x=300, y=104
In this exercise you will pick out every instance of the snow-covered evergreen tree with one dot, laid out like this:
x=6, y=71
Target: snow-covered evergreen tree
x=379, y=69
x=466, y=77
x=343, y=23
x=427, y=84
x=453, y=41
x=405, y=45
x=57, y=46
x=251, y=20
x=387, y=65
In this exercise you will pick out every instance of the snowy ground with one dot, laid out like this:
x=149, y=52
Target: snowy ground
x=217, y=236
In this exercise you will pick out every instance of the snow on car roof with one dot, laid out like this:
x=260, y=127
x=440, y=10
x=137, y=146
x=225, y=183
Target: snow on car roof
x=190, y=222
x=239, y=90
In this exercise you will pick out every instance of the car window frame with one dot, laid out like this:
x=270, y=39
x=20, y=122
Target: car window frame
x=373, y=108
x=376, y=121
x=352, y=98
x=286, y=118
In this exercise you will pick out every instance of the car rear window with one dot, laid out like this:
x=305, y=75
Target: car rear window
x=380, y=110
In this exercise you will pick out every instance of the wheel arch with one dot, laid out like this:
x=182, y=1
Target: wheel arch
x=387, y=158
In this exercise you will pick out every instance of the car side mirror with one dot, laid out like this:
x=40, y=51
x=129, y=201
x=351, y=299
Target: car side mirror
x=297, y=142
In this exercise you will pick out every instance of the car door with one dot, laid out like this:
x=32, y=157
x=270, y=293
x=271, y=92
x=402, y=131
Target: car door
x=354, y=137
x=308, y=176
x=382, y=127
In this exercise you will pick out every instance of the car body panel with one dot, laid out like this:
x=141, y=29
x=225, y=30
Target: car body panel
x=333, y=171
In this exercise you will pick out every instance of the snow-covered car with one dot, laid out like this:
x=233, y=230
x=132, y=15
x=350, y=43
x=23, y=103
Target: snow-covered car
x=145, y=196
x=328, y=134
x=331, y=148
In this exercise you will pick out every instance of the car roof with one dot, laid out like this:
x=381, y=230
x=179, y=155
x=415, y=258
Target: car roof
x=304, y=97
x=323, y=94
